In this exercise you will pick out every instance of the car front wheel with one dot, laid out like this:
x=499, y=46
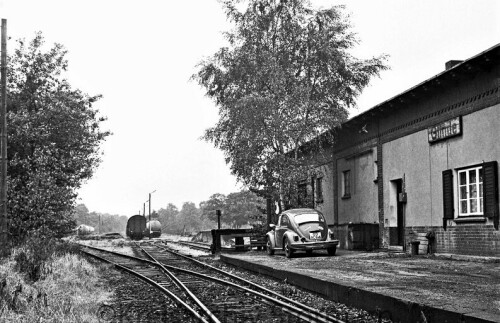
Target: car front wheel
x=269, y=247
x=288, y=249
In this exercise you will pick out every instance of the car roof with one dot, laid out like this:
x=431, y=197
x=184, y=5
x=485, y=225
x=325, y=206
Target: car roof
x=300, y=211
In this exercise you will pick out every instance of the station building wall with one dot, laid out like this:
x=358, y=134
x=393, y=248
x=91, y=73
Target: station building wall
x=356, y=187
x=419, y=164
x=424, y=187
x=325, y=202
x=387, y=151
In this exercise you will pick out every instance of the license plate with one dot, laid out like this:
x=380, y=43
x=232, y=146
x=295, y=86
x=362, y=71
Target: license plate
x=315, y=235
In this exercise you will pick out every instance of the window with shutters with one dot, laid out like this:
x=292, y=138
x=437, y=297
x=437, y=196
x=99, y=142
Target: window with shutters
x=470, y=192
x=476, y=195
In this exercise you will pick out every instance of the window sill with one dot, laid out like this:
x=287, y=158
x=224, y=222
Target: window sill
x=345, y=197
x=469, y=219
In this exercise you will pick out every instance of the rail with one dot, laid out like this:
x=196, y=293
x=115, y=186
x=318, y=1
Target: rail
x=148, y=280
x=287, y=305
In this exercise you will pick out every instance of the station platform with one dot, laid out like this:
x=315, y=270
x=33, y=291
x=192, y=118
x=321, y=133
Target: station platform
x=430, y=288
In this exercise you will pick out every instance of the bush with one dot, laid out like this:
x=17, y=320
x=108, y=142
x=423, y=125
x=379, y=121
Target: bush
x=32, y=256
x=70, y=290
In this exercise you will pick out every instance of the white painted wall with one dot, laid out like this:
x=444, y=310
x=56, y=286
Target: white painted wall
x=423, y=164
x=362, y=206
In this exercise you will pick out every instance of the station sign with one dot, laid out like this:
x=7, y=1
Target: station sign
x=444, y=130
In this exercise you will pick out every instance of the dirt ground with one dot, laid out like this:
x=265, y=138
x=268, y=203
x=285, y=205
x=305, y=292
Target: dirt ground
x=456, y=285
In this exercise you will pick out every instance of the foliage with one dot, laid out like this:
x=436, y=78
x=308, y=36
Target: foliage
x=32, y=255
x=54, y=137
x=285, y=79
x=167, y=216
x=216, y=202
x=190, y=218
x=238, y=208
x=69, y=288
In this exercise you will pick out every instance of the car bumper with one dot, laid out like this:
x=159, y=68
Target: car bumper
x=314, y=245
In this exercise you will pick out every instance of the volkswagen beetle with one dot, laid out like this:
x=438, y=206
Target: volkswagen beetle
x=300, y=229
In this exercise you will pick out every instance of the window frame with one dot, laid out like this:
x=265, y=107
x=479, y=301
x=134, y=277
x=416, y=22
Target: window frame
x=346, y=184
x=491, y=197
x=478, y=185
x=319, y=189
x=286, y=222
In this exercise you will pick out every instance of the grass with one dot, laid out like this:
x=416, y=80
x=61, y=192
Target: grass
x=62, y=287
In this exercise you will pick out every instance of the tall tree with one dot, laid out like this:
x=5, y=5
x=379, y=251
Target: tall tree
x=54, y=138
x=243, y=207
x=167, y=216
x=285, y=78
x=216, y=202
x=238, y=208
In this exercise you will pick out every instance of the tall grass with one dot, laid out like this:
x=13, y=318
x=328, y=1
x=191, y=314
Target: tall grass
x=50, y=284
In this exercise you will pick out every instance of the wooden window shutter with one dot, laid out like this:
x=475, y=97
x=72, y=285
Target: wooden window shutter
x=490, y=191
x=448, y=210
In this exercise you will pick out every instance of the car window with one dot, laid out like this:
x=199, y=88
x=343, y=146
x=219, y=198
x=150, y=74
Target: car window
x=284, y=220
x=309, y=217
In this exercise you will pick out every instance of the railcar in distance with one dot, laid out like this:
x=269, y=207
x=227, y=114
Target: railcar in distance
x=84, y=230
x=153, y=229
x=135, y=227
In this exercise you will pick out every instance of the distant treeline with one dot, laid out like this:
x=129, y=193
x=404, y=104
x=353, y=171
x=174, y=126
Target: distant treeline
x=239, y=209
x=102, y=222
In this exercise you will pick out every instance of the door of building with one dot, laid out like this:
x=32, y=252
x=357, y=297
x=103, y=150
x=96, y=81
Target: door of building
x=400, y=214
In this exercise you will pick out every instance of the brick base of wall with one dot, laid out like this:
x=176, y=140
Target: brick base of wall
x=476, y=240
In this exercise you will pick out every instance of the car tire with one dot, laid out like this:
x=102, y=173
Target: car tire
x=309, y=252
x=288, y=248
x=331, y=251
x=269, y=247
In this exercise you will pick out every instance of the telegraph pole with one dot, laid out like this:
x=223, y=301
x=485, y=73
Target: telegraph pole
x=150, y=213
x=4, y=219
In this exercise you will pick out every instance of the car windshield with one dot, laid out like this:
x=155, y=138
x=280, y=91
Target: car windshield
x=308, y=217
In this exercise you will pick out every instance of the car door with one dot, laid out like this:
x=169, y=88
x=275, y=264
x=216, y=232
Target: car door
x=281, y=229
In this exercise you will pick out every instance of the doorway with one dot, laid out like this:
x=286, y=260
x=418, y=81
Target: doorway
x=396, y=233
x=400, y=214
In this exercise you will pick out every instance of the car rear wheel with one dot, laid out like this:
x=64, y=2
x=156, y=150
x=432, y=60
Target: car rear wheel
x=269, y=247
x=331, y=251
x=288, y=249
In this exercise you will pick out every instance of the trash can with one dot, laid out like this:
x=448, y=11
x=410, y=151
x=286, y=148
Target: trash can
x=414, y=247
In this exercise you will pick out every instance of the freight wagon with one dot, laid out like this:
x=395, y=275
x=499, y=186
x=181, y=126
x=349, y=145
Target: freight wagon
x=135, y=227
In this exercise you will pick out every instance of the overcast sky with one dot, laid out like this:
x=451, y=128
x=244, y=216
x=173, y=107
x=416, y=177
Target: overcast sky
x=140, y=55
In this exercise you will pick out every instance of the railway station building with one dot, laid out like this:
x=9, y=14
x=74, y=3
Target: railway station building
x=421, y=166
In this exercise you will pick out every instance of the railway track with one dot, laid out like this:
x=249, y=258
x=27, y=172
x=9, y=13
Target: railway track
x=215, y=295
x=158, y=278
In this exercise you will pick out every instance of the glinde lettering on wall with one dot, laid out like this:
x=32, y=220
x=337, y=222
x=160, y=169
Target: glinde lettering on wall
x=446, y=129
